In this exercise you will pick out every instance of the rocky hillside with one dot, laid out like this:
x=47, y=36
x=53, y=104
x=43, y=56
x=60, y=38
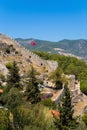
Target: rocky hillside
x=67, y=47
x=11, y=50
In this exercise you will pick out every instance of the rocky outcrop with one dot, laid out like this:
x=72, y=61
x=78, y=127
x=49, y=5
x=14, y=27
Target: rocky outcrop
x=74, y=86
x=3, y=69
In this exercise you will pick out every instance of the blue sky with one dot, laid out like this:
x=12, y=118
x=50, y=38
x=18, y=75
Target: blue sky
x=44, y=19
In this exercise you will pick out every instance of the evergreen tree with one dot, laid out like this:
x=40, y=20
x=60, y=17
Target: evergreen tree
x=66, y=120
x=32, y=91
x=11, y=96
x=66, y=109
x=13, y=78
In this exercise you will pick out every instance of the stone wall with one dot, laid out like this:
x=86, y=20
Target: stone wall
x=35, y=59
x=74, y=86
x=59, y=96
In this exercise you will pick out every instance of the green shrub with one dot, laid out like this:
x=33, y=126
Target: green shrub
x=11, y=45
x=9, y=65
x=16, y=52
x=83, y=87
x=4, y=119
x=2, y=77
x=7, y=50
x=49, y=103
x=84, y=118
x=81, y=126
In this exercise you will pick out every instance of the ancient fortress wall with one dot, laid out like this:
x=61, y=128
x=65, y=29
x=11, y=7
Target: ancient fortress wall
x=29, y=56
x=35, y=59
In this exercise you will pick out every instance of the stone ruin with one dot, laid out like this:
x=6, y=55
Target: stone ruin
x=36, y=60
x=50, y=66
x=29, y=56
x=74, y=86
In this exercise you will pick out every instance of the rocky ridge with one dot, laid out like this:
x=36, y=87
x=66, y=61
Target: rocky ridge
x=23, y=56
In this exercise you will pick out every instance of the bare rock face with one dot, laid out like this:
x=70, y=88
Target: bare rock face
x=3, y=69
x=52, y=65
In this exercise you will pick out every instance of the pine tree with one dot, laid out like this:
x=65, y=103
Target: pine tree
x=66, y=108
x=32, y=91
x=13, y=78
x=66, y=112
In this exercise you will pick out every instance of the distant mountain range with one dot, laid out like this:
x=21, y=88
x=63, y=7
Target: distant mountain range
x=66, y=47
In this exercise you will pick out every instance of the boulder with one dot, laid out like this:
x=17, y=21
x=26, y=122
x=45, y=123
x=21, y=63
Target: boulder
x=3, y=69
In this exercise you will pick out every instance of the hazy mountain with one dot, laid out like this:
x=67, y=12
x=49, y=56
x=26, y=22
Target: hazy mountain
x=66, y=47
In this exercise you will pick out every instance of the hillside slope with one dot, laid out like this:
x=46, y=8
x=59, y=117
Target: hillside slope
x=11, y=50
x=66, y=47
